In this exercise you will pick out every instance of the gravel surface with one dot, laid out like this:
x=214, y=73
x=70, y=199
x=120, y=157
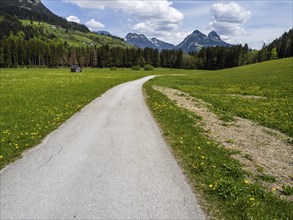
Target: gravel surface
x=109, y=161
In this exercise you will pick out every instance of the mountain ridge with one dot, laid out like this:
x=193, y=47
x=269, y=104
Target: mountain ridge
x=197, y=40
x=141, y=41
x=193, y=42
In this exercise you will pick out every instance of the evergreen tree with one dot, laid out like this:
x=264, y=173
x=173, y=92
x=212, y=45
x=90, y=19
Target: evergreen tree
x=274, y=54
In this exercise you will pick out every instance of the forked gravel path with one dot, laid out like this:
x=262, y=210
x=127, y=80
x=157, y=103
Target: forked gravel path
x=260, y=148
x=109, y=161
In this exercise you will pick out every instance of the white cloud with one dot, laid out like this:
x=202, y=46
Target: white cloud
x=231, y=12
x=175, y=37
x=152, y=16
x=73, y=18
x=143, y=9
x=94, y=25
x=228, y=18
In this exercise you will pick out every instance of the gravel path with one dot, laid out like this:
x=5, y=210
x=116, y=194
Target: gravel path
x=109, y=161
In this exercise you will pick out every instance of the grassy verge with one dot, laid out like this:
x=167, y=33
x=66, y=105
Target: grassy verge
x=210, y=168
x=261, y=92
x=34, y=102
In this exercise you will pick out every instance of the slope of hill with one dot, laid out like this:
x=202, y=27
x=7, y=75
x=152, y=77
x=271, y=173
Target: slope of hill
x=36, y=11
x=198, y=40
x=108, y=34
x=74, y=37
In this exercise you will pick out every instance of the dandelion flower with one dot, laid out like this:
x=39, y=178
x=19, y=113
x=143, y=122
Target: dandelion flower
x=211, y=185
x=1, y=157
x=246, y=181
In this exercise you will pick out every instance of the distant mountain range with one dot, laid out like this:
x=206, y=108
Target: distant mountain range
x=141, y=41
x=193, y=42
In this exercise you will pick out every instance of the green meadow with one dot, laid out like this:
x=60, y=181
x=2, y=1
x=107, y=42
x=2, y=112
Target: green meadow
x=261, y=93
x=36, y=101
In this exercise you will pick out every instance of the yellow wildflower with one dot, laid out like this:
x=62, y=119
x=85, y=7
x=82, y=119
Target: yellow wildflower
x=251, y=199
x=211, y=185
x=1, y=157
x=246, y=181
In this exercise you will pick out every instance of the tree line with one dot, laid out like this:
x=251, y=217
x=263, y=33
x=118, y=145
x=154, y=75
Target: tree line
x=18, y=50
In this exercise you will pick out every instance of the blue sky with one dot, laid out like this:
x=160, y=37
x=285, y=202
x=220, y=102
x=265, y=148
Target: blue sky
x=252, y=22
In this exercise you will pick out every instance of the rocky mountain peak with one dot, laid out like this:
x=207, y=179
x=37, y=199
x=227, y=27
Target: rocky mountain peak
x=214, y=36
x=198, y=40
x=197, y=32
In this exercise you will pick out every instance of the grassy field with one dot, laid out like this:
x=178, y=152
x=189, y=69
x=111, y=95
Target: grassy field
x=225, y=187
x=261, y=92
x=36, y=101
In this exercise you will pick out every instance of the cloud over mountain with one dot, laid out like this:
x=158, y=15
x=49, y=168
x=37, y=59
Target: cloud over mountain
x=228, y=18
x=73, y=18
x=94, y=25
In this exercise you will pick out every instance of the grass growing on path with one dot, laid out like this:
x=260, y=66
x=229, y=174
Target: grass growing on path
x=262, y=92
x=34, y=102
x=220, y=179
